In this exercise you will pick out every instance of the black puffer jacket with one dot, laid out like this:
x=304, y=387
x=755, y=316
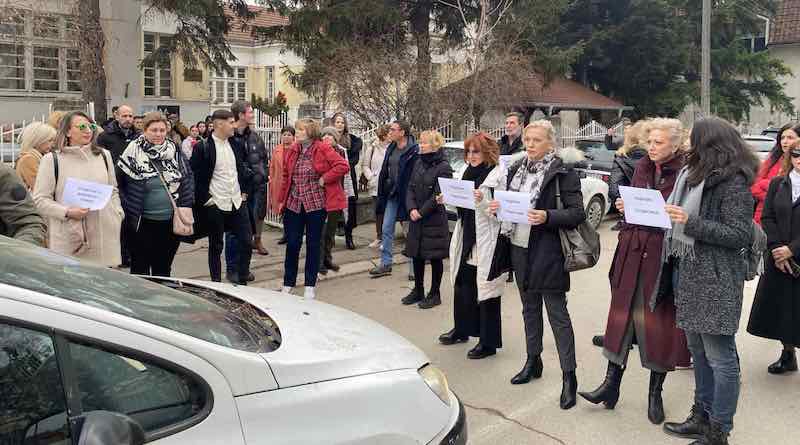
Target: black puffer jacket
x=115, y=139
x=256, y=158
x=507, y=148
x=622, y=171
x=429, y=237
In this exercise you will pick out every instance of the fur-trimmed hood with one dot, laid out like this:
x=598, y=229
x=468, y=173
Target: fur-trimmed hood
x=570, y=155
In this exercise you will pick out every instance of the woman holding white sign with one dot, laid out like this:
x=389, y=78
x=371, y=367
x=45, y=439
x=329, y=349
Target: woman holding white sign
x=89, y=235
x=634, y=279
x=476, y=299
x=536, y=254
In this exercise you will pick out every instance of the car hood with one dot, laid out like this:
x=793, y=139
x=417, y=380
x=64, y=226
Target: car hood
x=323, y=342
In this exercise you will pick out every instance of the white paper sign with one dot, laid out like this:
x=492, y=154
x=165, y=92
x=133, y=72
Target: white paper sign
x=458, y=193
x=86, y=194
x=514, y=206
x=644, y=207
x=506, y=161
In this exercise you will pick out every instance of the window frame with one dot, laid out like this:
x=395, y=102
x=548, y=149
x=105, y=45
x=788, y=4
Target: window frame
x=221, y=97
x=271, y=91
x=158, y=69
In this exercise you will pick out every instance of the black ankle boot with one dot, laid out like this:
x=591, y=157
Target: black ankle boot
x=451, y=338
x=714, y=436
x=415, y=296
x=608, y=391
x=569, y=388
x=787, y=363
x=655, y=405
x=480, y=351
x=431, y=300
x=694, y=427
x=532, y=370
x=348, y=241
x=598, y=340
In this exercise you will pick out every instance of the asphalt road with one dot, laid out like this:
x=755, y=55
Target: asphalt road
x=500, y=413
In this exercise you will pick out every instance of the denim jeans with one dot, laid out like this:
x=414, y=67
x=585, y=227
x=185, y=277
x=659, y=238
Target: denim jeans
x=389, y=220
x=310, y=223
x=716, y=375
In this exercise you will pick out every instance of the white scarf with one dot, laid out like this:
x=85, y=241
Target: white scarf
x=139, y=159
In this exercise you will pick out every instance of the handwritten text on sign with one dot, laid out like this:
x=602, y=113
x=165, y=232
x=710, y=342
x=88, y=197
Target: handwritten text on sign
x=514, y=206
x=86, y=194
x=458, y=193
x=644, y=207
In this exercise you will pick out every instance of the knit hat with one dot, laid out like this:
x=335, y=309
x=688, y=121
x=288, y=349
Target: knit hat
x=330, y=131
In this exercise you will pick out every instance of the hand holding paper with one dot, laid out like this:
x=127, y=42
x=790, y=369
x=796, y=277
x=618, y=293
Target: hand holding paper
x=458, y=193
x=645, y=207
x=513, y=206
x=86, y=194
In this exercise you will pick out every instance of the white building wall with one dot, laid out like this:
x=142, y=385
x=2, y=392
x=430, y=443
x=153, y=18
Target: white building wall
x=761, y=116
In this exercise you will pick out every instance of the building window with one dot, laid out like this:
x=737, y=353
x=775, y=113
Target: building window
x=157, y=73
x=37, y=53
x=229, y=87
x=754, y=44
x=270, y=83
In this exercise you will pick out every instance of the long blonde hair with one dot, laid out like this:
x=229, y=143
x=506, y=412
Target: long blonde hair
x=634, y=136
x=34, y=135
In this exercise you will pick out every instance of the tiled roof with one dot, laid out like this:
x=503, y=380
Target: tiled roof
x=786, y=24
x=241, y=33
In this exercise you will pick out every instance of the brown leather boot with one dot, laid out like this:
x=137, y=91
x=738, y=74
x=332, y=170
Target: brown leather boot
x=258, y=247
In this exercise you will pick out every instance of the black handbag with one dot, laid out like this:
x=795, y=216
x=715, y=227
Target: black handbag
x=501, y=260
x=581, y=245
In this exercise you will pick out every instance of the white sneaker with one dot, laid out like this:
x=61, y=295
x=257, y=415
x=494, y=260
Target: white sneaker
x=375, y=244
x=286, y=290
x=308, y=294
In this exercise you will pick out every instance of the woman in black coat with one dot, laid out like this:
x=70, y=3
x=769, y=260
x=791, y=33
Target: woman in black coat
x=776, y=308
x=536, y=254
x=353, y=145
x=428, y=233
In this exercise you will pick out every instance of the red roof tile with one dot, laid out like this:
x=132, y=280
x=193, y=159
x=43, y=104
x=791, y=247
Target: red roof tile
x=241, y=33
x=786, y=24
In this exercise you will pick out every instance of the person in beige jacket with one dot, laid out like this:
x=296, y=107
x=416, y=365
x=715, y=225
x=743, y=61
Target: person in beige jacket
x=37, y=140
x=92, y=236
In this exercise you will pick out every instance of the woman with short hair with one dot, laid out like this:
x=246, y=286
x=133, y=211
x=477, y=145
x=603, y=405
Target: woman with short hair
x=312, y=177
x=711, y=209
x=536, y=254
x=37, y=140
x=476, y=298
x=153, y=174
x=91, y=235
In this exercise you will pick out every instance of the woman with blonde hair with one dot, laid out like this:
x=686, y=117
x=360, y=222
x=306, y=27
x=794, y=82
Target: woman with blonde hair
x=428, y=232
x=54, y=120
x=556, y=203
x=91, y=235
x=36, y=141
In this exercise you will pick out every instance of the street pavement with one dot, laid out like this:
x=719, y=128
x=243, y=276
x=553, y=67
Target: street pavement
x=501, y=413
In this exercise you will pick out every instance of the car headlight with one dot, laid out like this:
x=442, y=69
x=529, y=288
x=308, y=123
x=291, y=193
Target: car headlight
x=436, y=381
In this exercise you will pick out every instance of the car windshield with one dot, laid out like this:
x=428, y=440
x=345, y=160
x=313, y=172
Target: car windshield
x=198, y=312
x=455, y=157
x=761, y=145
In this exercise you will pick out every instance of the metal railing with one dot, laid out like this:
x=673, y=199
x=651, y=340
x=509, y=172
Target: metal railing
x=10, y=135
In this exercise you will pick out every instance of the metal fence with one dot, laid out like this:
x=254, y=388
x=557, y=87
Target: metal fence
x=10, y=135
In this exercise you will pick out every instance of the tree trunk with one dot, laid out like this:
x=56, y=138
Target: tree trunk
x=92, y=41
x=420, y=91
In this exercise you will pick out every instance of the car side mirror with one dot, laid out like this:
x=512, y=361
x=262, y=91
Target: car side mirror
x=106, y=427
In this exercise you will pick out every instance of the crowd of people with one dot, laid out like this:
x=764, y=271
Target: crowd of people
x=675, y=293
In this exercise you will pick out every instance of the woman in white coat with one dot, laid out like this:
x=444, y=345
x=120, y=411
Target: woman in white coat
x=476, y=305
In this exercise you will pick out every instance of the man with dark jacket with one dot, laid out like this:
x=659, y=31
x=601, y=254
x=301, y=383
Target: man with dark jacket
x=393, y=180
x=115, y=138
x=18, y=215
x=512, y=141
x=254, y=153
x=221, y=184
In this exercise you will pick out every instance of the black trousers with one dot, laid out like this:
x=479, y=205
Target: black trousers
x=329, y=238
x=153, y=248
x=473, y=318
x=352, y=211
x=437, y=270
x=238, y=222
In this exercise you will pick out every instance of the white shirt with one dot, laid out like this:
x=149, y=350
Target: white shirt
x=795, y=178
x=224, y=188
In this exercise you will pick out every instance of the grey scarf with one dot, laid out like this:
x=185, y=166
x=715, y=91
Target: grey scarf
x=676, y=242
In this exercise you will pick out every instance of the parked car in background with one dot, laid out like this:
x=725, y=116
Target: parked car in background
x=762, y=145
x=598, y=156
x=594, y=186
x=771, y=132
x=199, y=363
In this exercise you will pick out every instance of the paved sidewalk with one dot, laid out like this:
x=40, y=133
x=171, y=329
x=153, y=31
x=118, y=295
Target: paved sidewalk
x=192, y=259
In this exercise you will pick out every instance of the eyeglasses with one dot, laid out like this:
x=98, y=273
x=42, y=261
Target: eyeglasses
x=794, y=154
x=84, y=127
x=473, y=152
x=394, y=129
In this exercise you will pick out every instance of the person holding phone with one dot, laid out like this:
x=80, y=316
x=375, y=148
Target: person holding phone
x=776, y=312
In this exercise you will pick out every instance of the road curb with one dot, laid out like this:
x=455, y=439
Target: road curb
x=346, y=270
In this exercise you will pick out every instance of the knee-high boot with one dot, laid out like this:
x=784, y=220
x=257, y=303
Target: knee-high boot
x=655, y=406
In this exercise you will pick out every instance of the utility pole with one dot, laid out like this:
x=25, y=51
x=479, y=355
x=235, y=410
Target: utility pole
x=705, y=64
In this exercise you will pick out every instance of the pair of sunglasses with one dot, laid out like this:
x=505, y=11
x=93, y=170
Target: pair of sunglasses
x=84, y=127
x=795, y=153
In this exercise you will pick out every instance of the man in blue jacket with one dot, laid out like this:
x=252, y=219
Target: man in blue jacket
x=393, y=180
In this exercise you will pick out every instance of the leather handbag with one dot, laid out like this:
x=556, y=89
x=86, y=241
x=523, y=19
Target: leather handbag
x=501, y=260
x=581, y=245
x=182, y=217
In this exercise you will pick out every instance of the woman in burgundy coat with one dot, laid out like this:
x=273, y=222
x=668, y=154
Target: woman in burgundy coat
x=634, y=279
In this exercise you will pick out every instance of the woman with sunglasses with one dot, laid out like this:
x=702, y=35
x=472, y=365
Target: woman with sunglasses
x=91, y=235
x=776, y=312
x=476, y=299
x=788, y=138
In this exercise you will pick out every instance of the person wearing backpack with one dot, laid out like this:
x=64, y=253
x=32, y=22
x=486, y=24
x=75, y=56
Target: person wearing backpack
x=536, y=254
x=90, y=235
x=634, y=277
x=776, y=308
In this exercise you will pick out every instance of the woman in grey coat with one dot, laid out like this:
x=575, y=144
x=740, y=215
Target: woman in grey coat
x=711, y=209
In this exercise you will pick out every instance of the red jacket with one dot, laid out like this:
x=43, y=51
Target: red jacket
x=761, y=185
x=328, y=164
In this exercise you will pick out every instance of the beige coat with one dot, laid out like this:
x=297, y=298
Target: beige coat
x=100, y=228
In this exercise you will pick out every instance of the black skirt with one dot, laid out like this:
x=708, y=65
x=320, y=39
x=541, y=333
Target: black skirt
x=776, y=307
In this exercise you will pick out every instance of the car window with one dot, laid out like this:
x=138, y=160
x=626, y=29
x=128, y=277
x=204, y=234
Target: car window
x=761, y=145
x=201, y=313
x=455, y=157
x=32, y=401
x=152, y=395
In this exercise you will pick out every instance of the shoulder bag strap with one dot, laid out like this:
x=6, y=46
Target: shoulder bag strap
x=559, y=203
x=55, y=168
x=166, y=187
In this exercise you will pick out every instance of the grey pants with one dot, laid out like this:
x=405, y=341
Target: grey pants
x=557, y=314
